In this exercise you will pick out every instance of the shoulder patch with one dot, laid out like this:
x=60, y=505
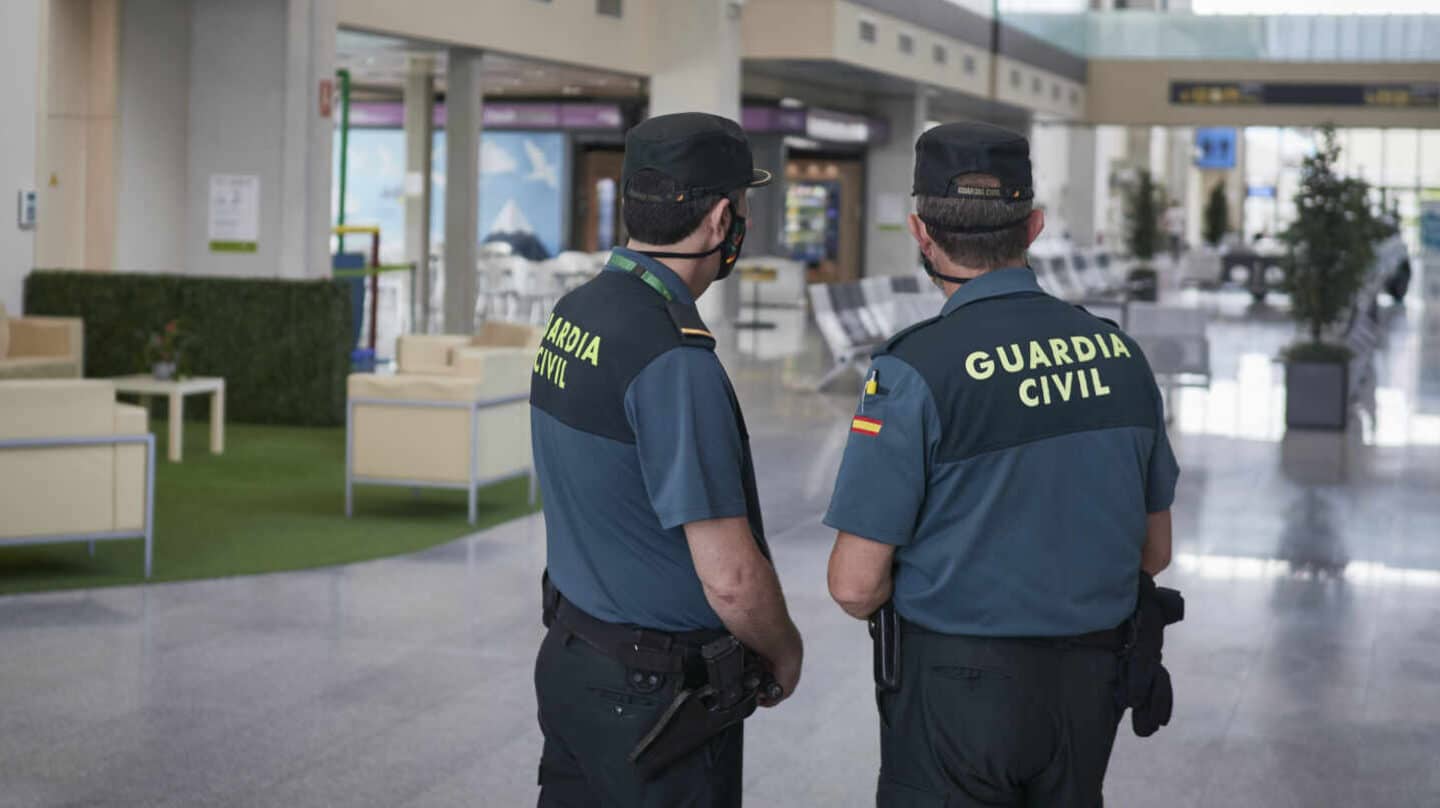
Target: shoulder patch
x=905, y=332
x=692, y=329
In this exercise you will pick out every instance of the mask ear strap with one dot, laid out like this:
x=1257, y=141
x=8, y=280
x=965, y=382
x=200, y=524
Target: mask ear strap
x=704, y=254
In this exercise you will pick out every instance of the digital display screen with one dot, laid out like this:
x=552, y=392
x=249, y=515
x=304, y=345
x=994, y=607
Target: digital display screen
x=1241, y=93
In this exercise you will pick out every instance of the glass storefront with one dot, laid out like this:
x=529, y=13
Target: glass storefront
x=1403, y=165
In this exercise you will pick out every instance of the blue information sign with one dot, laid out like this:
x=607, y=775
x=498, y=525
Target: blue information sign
x=1215, y=147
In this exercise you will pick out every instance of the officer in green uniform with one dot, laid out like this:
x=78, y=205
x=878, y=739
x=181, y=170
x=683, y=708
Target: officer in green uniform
x=1007, y=480
x=655, y=545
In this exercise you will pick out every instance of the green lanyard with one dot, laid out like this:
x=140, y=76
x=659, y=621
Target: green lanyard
x=651, y=279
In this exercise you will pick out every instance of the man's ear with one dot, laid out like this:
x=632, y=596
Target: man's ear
x=1034, y=226
x=718, y=219
x=919, y=233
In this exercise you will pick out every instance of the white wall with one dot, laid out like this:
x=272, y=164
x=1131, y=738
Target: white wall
x=151, y=190
x=889, y=178
x=236, y=114
x=20, y=36
x=253, y=96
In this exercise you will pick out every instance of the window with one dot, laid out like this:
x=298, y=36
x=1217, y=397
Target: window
x=1074, y=97
x=1015, y=79
x=969, y=63
x=907, y=43
x=1036, y=85
x=610, y=8
x=867, y=31
x=941, y=55
x=1055, y=92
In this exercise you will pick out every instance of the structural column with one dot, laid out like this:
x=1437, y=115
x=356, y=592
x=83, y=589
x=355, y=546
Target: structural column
x=1078, y=195
x=765, y=233
x=697, y=69
x=463, y=105
x=419, y=145
x=889, y=173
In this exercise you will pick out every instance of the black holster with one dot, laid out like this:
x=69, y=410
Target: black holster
x=735, y=679
x=885, y=644
x=1144, y=684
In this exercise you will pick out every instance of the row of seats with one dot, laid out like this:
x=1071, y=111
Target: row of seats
x=857, y=316
x=1080, y=275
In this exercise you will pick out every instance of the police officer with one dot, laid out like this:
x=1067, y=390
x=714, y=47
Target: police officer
x=1007, y=479
x=655, y=545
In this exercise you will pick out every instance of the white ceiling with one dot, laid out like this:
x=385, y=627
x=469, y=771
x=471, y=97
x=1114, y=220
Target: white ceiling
x=381, y=63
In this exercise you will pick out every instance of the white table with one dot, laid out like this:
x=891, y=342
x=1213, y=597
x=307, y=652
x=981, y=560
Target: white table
x=146, y=386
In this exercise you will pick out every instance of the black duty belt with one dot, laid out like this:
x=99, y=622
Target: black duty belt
x=634, y=647
x=1110, y=639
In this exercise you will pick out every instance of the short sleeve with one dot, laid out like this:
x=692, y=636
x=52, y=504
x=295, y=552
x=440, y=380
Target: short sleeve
x=690, y=448
x=1164, y=471
x=881, y=487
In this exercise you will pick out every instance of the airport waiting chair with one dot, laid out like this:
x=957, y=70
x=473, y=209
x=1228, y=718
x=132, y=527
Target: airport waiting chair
x=1175, y=342
x=849, y=332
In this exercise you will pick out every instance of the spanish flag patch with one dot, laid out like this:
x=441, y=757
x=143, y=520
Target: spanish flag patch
x=866, y=426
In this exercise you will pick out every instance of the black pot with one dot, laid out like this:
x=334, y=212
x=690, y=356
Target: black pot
x=1143, y=284
x=1317, y=395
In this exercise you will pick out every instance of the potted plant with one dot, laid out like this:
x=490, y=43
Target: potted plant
x=162, y=351
x=1142, y=236
x=1217, y=216
x=1331, y=245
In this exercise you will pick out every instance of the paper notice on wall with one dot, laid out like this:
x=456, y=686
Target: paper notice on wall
x=234, y=213
x=890, y=212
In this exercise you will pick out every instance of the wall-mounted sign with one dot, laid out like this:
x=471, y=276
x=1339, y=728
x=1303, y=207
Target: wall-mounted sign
x=234, y=213
x=499, y=115
x=1271, y=93
x=1215, y=147
x=327, y=97
x=1260, y=191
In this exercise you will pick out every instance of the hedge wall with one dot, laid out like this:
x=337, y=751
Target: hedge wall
x=282, y=346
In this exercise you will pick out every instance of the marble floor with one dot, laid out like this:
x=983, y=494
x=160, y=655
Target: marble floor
x=1307, y=672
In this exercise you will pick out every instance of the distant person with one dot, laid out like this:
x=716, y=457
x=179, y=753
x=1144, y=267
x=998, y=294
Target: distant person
x=1174, y=221
x=1002, y=504
x=659, y=581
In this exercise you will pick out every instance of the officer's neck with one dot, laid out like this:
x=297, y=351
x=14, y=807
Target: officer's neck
x=954, y=270
x=696, y=273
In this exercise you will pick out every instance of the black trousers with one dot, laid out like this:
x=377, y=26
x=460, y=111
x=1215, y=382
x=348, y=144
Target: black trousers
x=593, y=714
x=995, y=722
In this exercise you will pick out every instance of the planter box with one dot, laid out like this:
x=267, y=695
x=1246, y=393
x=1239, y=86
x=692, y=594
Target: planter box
x=1317, y=395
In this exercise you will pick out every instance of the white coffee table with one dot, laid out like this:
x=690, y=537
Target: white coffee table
x=176, y=390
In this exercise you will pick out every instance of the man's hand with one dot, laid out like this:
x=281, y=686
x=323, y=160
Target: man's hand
x=787, y=675
x=741, y=586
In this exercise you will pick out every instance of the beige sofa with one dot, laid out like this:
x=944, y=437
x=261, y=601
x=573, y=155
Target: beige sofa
x=75, y=465
x=41, y=347
x=455, y=414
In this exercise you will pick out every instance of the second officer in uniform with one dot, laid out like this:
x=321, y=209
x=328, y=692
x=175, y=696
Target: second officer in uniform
x=1008, y=483
x=655, y=545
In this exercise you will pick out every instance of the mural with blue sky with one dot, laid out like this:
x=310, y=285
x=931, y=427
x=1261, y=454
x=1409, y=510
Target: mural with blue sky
x=523, y=187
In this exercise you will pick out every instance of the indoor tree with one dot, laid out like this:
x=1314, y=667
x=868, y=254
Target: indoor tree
x=1143, y=211
x=1331, y=246
x=1217, y=215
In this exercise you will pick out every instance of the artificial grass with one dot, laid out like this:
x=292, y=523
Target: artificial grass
x=273, y=501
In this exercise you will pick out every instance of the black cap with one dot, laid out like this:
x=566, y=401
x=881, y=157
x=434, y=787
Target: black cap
x=702, y=153
x=948, y=151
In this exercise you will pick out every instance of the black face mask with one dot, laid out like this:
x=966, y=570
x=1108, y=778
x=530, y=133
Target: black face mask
x=729, y=248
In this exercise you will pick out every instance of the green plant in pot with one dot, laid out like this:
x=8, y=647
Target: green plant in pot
x=1217, y=216
x=1142, y=235
x=163, y=351
x=1331, y=247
